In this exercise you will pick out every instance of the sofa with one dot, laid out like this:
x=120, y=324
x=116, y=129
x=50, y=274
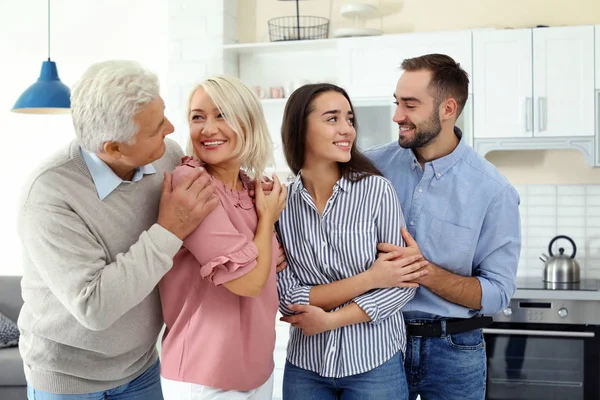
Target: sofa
x=12, y=378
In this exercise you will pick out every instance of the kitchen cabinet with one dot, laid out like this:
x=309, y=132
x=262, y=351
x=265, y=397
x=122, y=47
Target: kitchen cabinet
x=502, y=81
x=531, y=89
x=370, y=66
x=534, y=83
x=563, y=78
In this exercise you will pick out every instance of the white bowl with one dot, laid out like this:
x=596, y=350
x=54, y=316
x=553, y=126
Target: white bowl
x=357, y=10
x=353, y=32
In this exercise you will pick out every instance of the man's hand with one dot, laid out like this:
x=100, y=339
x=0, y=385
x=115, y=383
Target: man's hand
x=399, y=266
x=411, y=249
x=281, y=259
x=392, y=270
x=312, y=320
x=184, y=206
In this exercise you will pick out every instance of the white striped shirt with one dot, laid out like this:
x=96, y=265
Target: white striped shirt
x=337, y=245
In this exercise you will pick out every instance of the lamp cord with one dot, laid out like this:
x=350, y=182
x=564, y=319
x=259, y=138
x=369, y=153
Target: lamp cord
x=48, y=30
x=297, y=18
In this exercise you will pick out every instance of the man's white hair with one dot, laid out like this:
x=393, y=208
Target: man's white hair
x=106, y=98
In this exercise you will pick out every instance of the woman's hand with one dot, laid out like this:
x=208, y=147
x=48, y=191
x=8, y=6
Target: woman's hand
x=270, y=205
x=312, y=320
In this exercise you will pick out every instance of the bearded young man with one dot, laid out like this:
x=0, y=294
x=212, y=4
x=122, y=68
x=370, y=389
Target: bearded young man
x=464, y=216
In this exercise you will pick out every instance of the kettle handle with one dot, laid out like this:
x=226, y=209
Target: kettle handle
x=562, y=237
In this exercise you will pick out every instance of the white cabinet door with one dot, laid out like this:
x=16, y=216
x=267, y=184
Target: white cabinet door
x=370, y=67
x=502, y=83
x=563, y=83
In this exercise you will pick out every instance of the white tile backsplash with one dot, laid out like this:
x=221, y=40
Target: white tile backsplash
x=551, y=210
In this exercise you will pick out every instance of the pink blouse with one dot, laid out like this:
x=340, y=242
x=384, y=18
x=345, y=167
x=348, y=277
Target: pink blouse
x=214, y=337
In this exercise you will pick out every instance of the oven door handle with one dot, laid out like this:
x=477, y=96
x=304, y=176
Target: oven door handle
x=493, y=331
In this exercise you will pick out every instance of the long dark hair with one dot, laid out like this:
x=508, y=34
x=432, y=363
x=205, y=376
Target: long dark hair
x=293, y=132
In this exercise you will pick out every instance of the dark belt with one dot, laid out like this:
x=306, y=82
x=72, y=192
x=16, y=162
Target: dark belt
x=434, y=328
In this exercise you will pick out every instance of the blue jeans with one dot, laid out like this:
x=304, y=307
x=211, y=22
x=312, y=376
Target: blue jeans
x=144, y=387
x=386, y=382
x=451, y=367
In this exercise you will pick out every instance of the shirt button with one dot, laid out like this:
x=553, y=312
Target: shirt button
x=412, y=222
x=332, y=349
x=438, y=174
x=325, y=266
x=323, y=243
x=420, y=190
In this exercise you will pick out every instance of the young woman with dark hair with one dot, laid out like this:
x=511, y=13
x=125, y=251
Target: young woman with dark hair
x=347, y=339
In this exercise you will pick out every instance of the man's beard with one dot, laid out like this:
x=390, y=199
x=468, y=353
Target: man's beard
x=423, y=135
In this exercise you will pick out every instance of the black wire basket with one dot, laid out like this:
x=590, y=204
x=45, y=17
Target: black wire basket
x=298, y=28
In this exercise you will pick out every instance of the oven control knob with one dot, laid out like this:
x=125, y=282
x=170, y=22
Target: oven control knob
x=507, y=311
x=563, y=312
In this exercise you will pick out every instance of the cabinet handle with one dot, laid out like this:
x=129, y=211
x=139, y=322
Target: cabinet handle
x=528, y=114
x=542, y=114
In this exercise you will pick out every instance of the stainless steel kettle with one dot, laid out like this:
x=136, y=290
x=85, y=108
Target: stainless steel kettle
x=561, y=268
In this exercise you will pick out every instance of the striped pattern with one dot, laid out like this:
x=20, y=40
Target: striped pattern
x=340, y=244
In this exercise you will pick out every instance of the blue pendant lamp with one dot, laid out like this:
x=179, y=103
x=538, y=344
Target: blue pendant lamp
x=48, y=95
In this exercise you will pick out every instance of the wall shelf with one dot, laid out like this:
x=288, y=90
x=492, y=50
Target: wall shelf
x=272, y=47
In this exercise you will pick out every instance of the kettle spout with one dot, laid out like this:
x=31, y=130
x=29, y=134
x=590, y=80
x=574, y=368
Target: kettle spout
x=544, y=257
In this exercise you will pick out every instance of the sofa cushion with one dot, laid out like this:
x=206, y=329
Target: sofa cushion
x=9, y=332
x=11, y=299
x=11, y=367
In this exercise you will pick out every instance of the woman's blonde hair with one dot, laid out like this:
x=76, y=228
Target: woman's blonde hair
x=243, y=112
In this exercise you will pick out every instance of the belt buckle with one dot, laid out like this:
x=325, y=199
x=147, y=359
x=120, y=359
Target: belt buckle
x=415, y=324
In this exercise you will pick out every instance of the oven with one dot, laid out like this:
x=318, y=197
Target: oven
x=545, y=348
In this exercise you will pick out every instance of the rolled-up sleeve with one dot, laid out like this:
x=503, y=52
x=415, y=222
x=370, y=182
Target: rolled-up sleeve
x=291, y=290
x=380, y=304
x=224, y=254
x=498, y=250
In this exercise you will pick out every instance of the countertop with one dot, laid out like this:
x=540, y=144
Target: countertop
x=538, y=294
x=532, y=288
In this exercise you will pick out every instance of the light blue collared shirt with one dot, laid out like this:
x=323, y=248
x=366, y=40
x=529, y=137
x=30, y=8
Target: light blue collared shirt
x=105, y=179
x=465, y=217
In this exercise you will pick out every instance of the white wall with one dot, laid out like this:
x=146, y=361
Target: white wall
x=395, y=16
x=197, y=31
x=551, y=210
x=83, y=32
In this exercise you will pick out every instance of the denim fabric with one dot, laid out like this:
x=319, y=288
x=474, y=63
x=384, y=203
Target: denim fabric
x=451, y=367
x=385, y=382
x=144, y=387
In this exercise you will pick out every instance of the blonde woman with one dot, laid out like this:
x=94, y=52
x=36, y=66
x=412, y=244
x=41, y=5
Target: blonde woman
x=219, y=300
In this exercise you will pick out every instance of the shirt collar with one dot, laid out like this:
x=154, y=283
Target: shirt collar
x=297, y=185
x=105, y=179
x=442, y=165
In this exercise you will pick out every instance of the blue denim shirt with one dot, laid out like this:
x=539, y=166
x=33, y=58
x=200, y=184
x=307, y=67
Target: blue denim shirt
x=465, y=217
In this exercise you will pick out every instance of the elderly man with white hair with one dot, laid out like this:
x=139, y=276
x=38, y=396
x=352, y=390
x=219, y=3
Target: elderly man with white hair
x=100, y=227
